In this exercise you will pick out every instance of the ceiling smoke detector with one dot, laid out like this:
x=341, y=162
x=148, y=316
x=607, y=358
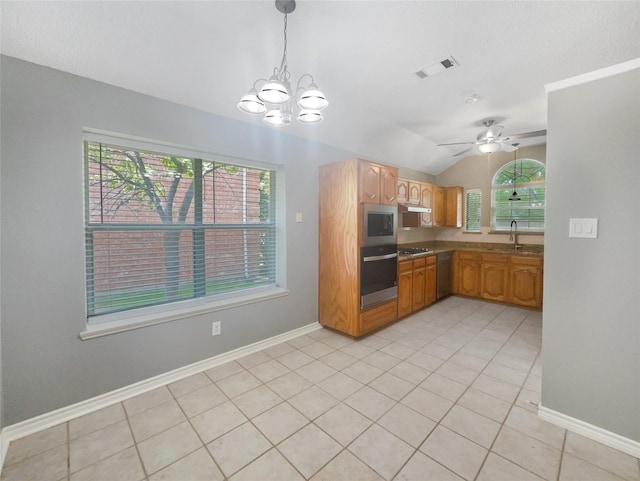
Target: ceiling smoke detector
x=437, y=67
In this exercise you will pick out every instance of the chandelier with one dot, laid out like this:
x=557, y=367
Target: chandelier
x=275, y=99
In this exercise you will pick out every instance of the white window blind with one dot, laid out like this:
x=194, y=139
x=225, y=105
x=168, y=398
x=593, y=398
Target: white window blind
x=527, y=178
x=473, y=209
x=162, y=228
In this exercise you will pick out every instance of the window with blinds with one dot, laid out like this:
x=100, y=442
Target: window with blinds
x=526, y=177
x=162, y=228
x=472, y=209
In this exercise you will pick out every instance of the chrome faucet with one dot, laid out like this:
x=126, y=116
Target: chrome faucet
x=513, y=234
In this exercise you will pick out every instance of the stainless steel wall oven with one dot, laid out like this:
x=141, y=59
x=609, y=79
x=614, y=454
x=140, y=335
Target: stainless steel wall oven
x=378, y=274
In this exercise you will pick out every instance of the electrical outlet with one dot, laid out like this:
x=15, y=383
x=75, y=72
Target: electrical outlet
x=216, y=328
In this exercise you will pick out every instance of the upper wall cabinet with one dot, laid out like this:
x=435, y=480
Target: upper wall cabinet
x=445, y=202
x=378, y=183
x=453, y=206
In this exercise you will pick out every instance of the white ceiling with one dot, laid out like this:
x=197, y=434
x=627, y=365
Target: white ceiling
x=363, y=55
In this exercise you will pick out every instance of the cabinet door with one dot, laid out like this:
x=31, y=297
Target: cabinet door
x=430, y=281
x=525, y=286
x=388, y=185
x=438, y=206
x=369, y=180
x=426, y=218
x=418, y=283
x=494, y=281
x=453, y=206
x=414, y=193
x=469, y=277
x=405, y=288
x=403, y=191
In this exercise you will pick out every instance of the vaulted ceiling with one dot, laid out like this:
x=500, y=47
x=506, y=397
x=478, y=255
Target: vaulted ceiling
x=363, y=55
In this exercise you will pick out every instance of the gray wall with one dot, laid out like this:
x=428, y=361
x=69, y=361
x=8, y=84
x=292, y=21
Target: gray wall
x=591, y=316
x=44, y=364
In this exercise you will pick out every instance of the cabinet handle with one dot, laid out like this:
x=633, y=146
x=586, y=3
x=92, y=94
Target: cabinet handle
x=372, y=196
x=379, y=258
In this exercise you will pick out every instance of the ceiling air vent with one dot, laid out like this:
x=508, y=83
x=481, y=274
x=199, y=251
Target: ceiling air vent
x=437, y=67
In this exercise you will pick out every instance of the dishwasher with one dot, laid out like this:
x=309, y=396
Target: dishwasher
x=443, y=274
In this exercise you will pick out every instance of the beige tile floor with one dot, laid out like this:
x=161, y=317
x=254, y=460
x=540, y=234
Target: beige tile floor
x=447, y=394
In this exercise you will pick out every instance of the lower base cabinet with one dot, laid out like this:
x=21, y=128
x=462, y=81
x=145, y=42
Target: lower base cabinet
x=378, y=316
x=525, y=281
x=416, y=284
x=508, y=278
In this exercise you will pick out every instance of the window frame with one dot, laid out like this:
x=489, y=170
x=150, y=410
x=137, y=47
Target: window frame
x=108, y=323
x=519, y=186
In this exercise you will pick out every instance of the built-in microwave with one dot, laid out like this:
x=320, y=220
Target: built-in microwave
x=379, y=224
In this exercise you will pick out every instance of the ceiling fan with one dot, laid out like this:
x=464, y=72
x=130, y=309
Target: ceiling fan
x=490, y=141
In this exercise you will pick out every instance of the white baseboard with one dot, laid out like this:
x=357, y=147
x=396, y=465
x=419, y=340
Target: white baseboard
x=590, y=431
x=50, y=419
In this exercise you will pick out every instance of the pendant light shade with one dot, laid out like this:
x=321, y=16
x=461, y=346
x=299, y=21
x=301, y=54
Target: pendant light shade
x=309, y=116
x=274, y=91
x=312, y=98
x=275, y=98
x=277, y=117
x=251, y=104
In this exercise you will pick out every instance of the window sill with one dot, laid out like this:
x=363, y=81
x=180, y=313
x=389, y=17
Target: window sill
x=137, y=321
x=520, y=232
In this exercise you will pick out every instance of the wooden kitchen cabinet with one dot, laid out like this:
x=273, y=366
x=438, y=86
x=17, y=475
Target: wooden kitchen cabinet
x=426, y=200
x=453, y=206
x=494, y=274
x=468, y=273
x=525, y=281
x=402, y=193
x=405, y=287
x=414, y=193
x=378, y=183
x=430, y=281
x=343, y=187
x=437, y=205
x=416, y=284
x=509, y=278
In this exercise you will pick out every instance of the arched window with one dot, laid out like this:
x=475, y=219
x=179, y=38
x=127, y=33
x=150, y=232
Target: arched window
x=526, y=178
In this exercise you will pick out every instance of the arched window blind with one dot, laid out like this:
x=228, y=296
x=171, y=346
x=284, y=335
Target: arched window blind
x=527, y=178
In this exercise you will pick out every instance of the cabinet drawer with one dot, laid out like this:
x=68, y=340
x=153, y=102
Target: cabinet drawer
x=418, y=263
x=405, y=266
x=526, y=261
x=378, y=316
x=431, y=260
x=469, y=256
x=495, y=257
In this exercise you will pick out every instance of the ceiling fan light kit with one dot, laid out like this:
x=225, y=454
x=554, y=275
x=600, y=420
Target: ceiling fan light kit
x=489, y=148
x=490, y=140
x=275, y=98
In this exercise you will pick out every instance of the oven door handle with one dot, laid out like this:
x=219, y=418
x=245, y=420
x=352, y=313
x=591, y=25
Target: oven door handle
x=379, y=258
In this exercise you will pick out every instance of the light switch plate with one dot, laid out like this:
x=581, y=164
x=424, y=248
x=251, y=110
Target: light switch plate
x=585, y=228
x=298, y=216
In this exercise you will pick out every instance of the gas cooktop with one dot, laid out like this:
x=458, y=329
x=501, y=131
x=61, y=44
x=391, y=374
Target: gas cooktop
x=414, y=251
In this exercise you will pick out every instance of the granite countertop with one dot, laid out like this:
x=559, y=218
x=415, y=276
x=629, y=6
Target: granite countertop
x=437, y=247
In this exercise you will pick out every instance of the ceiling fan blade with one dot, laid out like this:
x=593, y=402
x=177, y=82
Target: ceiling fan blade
x=525, y=135
x=463, y=152
x=456, y=143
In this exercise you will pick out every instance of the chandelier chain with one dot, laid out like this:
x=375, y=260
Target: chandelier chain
x=284, y=74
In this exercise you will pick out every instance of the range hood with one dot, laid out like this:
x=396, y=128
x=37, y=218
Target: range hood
x=404, y=208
